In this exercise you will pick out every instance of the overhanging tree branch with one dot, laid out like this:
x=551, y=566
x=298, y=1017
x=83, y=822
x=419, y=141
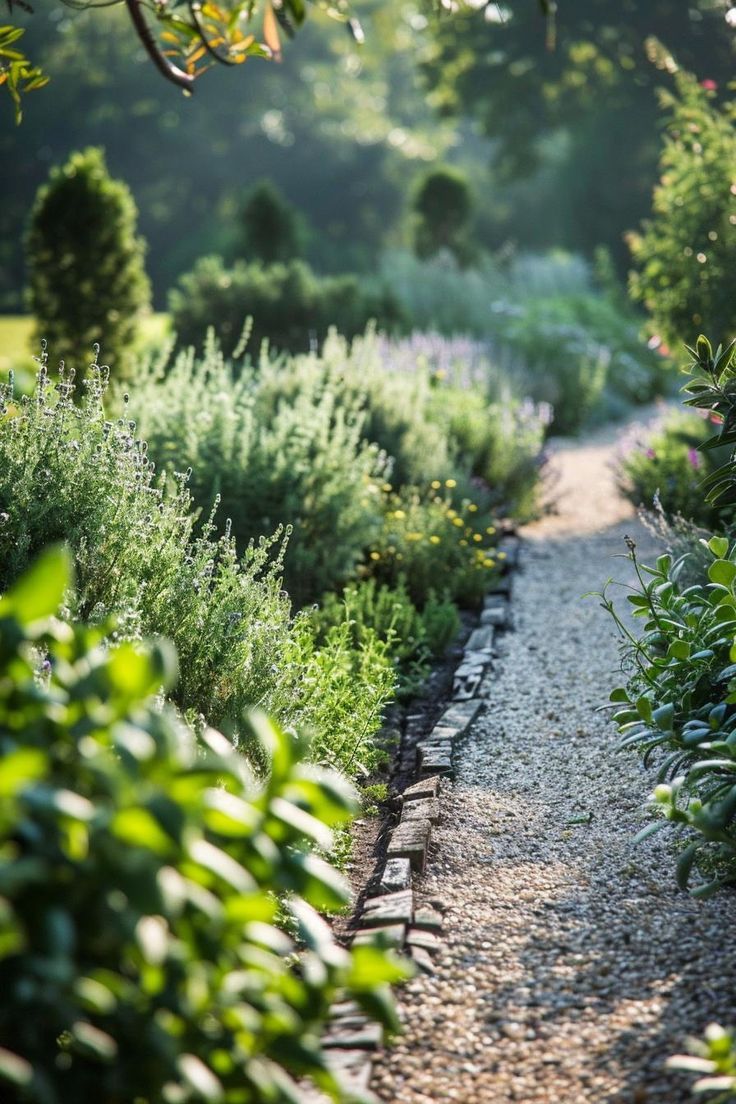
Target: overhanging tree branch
x=167, y=69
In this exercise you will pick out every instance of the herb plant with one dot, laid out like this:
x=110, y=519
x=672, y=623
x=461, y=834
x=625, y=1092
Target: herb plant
x=148, y=883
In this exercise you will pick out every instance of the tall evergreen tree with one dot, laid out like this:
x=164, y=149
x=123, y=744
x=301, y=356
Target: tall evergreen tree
x=87, y=280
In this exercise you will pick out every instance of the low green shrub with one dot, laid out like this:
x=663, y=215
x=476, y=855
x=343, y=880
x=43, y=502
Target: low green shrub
x=431, y=423
x=713, y=1060
x=290, y=306
x=67, y=472
x=148, y=883
x=344, y=685
x=273, y=452
x=551, y=337
x=426, y=540
x=665, y=461
x=679, y=699
x=559, y=361
x=413, y=637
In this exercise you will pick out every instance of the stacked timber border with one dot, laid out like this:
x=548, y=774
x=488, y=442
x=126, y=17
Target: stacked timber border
x=425, y=767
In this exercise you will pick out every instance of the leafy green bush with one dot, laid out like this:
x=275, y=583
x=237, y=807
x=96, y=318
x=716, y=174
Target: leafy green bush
x=565, y=345
x=86, y=275
x=426, y=540
x=665, y=462
x=560, y=362
x=413, y=638
x=290, y=306
x=678, y=700
x=344, y=685
x=146, y=880
x=683, y=255
x=442, y=206
x=66, y=472
x=274, y=454
x=271, y=228
x=713, y=1059
x=682, y=686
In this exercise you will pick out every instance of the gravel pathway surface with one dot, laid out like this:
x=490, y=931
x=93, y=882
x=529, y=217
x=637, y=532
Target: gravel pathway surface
x=572, y=966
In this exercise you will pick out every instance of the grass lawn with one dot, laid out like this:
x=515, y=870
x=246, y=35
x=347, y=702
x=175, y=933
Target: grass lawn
x=16, y=331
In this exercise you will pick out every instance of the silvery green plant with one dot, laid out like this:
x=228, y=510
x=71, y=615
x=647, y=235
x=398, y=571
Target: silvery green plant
x=68, y=471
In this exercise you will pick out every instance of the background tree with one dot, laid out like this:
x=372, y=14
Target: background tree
x=442, y=207
x=684, y=255
x=575, y=123
x=87, y=281
x=271, y=228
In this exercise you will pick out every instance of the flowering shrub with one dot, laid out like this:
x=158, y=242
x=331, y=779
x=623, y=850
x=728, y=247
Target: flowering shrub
x=664, y=461
x=426, y=539
x=147, y=881
x=428, y=407
x=549, y=336
x=683, y=255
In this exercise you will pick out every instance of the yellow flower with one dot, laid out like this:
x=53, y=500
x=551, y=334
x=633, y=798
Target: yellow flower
x=473, y=508
x=489, y=563
x=434, y=539
x=477, y=537
x=491, y=530
x=458, y=521
x=502, y=555
x=375, y=555
x=386, y=487
x=451, y=482
x=413, y=536
x=452, y=513
x=399, y=514
x=436, y=484
x=463, y=543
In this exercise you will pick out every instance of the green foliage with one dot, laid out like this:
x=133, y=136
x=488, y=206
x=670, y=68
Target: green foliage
x=713, y=1059
x=17, y=73
x=551, y=337
x=414, y=638
x=712, y=387
x=683, y=255
x=344, y=686
x=271, y=228
x=67, y=472
x=442, y=207
x=146, y=879
x=666, y=462
x=682, y=684
x=273, y=454
x=566, y=120
x=289, y=305
x=433, y=421
x=677, y=702
x=425, y=540
x=85, y=263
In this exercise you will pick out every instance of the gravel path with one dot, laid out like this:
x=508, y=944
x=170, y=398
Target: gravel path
x=572, y=966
